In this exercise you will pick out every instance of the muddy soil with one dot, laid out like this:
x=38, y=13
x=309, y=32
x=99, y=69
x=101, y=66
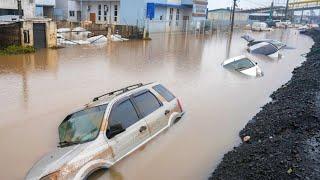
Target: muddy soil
x=285, y=135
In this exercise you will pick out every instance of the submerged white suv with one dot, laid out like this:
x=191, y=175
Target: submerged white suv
x=107, y=130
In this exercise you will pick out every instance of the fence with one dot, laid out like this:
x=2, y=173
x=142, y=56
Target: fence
x=203, y=26
x=10, y=34
x=130, y=32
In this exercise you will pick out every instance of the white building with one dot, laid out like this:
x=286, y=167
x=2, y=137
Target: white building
x=98, y=11
x=9, y=9
x=45, y=8
x=225, y=15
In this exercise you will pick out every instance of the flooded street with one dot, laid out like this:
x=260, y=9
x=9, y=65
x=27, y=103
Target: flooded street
x=39, y=90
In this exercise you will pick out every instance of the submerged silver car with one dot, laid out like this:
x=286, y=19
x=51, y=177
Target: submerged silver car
x=107, y=130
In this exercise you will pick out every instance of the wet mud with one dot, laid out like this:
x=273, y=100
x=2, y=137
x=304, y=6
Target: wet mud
x=284, y=136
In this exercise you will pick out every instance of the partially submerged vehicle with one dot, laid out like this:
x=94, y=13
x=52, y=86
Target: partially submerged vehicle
x=244, y=65
x=260, y=26
x=251, y=41
x=108, y=129
x=264, y=48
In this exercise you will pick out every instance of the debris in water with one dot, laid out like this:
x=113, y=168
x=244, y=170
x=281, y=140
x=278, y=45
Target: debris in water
x=246, y=138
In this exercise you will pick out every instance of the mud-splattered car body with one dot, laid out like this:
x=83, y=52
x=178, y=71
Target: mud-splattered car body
x=79, y=160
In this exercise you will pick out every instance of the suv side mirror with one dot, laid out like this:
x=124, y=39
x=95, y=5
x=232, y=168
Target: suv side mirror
x=115, y=130
x=256, y=63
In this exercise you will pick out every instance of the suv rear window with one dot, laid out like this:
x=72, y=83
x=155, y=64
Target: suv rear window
x=147, y=103
x=164, y=92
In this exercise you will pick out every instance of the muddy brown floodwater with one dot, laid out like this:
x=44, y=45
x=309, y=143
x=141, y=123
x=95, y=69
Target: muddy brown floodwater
x=39, y=90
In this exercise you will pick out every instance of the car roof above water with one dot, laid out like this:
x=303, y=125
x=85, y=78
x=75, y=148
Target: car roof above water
x=228, y=61
x=107, y=99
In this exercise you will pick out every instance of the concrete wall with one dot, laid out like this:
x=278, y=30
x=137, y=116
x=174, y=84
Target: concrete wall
x=165, y=25
x=62, y=9
x=8, y=4
x=133, y=12
x=51, y=32
x=28, y=8
x=72, y=6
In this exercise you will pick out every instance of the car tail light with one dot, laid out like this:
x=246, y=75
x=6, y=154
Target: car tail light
x=179, y=104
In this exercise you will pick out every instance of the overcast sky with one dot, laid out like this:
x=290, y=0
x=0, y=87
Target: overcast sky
x=245, y=4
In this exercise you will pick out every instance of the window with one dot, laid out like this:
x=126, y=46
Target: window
x=147, y=103
x=177, y=17
x=26, y=36
x=105, y=12
x=115, y=13
x=165, y=93
x=170, y=16
x=124, y=114
x=82, y=126
x=71, y=13
x=99, y=12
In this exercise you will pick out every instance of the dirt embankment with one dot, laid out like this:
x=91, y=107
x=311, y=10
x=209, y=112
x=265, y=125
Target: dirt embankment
x=285, y=135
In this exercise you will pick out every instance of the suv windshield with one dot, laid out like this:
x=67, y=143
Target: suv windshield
x=82, y=126
x=240, y=65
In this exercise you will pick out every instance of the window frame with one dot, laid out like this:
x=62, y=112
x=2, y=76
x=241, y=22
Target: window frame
x=101, y=124
x=142, y=92
x=117, y=103
x=72, y=13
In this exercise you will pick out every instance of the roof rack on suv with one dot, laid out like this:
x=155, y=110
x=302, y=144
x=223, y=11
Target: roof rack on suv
x=120, y=91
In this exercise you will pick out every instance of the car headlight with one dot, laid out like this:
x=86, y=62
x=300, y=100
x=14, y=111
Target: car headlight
x=52, y=176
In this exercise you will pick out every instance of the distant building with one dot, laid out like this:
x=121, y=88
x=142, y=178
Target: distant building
x=264, y=17
x=9, y=9
x=45, y=8
x=98, y=11
x=130, y=12
x=33, y=29
x=225, y=15
x=138, y=11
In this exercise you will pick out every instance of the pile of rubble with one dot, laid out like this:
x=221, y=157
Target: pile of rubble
x=283, y=140
x=80, y=36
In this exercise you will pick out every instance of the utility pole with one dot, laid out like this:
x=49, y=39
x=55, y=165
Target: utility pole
x=81, y=6
x=233, y=12
x=286, y=11
x=271, y=11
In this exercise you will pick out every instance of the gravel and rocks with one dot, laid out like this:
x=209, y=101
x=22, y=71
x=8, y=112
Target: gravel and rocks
x=283, y=140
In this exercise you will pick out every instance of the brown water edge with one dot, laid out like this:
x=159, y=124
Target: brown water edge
x=39, y=90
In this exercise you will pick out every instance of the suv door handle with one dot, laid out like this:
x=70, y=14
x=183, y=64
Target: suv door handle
x=142, y=128
x=166, y=112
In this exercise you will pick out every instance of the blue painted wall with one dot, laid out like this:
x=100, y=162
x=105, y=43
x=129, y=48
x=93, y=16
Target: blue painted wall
x=133, y=12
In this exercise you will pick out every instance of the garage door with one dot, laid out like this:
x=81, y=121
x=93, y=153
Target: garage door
x=39, y=35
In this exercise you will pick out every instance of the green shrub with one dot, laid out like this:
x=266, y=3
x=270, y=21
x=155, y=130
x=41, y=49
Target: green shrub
x=14, y=49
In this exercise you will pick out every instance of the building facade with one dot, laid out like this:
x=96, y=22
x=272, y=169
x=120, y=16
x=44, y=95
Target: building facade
x=45, y=8
x=97, y=11
x=130, y=12
x=9, y=9
x=225, y=15
x=138, y=11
